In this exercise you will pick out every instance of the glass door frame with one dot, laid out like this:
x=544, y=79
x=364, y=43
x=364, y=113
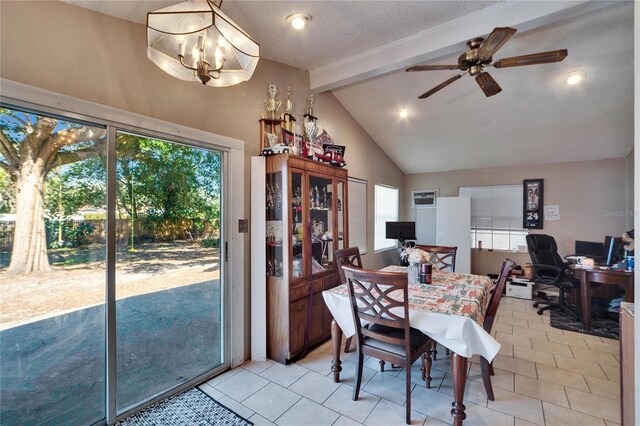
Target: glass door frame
x=111, y=381
x=111, y=415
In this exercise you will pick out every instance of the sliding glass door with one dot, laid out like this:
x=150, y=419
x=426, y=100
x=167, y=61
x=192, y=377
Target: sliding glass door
x=111, y=278
x=168, y=286
x=52, y=270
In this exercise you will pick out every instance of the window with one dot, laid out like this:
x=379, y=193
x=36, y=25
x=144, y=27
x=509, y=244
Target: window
x=496, y=217
x=386, y=210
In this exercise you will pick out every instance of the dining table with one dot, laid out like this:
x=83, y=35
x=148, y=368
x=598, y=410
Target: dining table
x=450, y=310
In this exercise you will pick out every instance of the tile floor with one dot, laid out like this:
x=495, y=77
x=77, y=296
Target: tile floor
x=544, y=376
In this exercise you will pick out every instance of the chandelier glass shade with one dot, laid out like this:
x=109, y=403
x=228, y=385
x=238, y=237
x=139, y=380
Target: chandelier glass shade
x=195, y=41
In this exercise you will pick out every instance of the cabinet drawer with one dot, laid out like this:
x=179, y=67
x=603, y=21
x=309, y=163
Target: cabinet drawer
x=302, y=290
x=299, y=291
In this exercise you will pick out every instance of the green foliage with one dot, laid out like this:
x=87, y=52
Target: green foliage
x=210, y=243
x=74, y=234
x=7, y=193
x=78, y=186
x=168, y=180
x=161, y=183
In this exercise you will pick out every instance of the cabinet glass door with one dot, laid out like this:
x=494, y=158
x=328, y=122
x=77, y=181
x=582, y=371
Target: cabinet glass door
x=274, y=229
x=297, y=226
x=321, y=219
x=340, y=238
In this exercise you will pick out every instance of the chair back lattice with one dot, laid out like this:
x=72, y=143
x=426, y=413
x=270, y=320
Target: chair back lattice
x=378, y=298
x=492, y=309
x=349, y=257
x=443, y=258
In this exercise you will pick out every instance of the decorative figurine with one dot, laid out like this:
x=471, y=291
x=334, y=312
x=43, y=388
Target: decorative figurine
x=324, y=198
x=310, y=102
x=289, y=119
x=288, y=106
x=310, y=128
x=272, y=104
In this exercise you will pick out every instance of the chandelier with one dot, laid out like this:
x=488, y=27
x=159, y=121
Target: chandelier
x=195, y=41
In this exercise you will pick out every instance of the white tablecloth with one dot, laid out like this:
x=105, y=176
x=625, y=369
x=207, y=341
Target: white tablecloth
x=461, y=334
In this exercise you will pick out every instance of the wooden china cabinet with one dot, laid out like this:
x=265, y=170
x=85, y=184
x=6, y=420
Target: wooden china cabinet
x=306, y=220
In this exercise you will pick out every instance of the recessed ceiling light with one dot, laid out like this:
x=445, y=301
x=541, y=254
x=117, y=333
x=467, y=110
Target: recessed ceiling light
x=403, y=113
x=575, y=77
x=298, y=20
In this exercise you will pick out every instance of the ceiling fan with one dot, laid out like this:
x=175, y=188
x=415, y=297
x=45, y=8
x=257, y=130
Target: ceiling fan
x=480, y=55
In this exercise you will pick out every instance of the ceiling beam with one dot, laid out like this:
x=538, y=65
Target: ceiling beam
x=446, y=39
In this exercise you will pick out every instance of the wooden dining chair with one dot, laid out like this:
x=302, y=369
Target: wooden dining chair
x=381, y=299
x=350, y=257
x=489, y=318
x=443, y=258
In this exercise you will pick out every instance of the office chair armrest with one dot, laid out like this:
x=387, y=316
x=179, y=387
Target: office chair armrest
x=548, y=274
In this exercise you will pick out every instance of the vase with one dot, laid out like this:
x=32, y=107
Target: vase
x=413, y=272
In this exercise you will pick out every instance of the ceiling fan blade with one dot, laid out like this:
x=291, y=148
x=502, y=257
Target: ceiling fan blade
x=496, y=39
x=440, y=86
x=533, y=59
x=488, y=84
x=431, y=68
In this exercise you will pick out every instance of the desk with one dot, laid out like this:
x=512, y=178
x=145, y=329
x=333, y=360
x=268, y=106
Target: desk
x=603, y=276
x=450, y=310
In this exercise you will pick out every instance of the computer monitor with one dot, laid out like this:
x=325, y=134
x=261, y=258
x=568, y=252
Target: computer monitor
x=613, y=250
x=401, y=231
x=591, y=249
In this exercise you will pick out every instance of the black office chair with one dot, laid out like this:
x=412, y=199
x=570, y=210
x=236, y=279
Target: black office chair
x=548, y=268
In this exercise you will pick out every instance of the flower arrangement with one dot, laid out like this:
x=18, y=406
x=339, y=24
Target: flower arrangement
x=415, y=255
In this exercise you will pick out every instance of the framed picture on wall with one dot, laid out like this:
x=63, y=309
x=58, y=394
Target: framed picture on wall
x=533, y=205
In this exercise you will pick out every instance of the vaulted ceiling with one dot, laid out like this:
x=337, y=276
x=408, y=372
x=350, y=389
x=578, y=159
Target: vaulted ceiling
x=359, y=50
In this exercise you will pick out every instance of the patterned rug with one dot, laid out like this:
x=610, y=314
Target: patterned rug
x=603, y=327
x=190, y=408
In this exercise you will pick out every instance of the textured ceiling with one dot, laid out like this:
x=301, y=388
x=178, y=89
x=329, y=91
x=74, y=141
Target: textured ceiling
x=338, y=29
x=537, y=118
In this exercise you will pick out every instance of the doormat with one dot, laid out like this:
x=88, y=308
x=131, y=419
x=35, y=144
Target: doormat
x=602, y=327
x=193, y=407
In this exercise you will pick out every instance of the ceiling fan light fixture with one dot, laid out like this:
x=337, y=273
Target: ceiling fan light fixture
x=480, y=55
x=299, y=20
x=575, y=77
x=403, y=113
